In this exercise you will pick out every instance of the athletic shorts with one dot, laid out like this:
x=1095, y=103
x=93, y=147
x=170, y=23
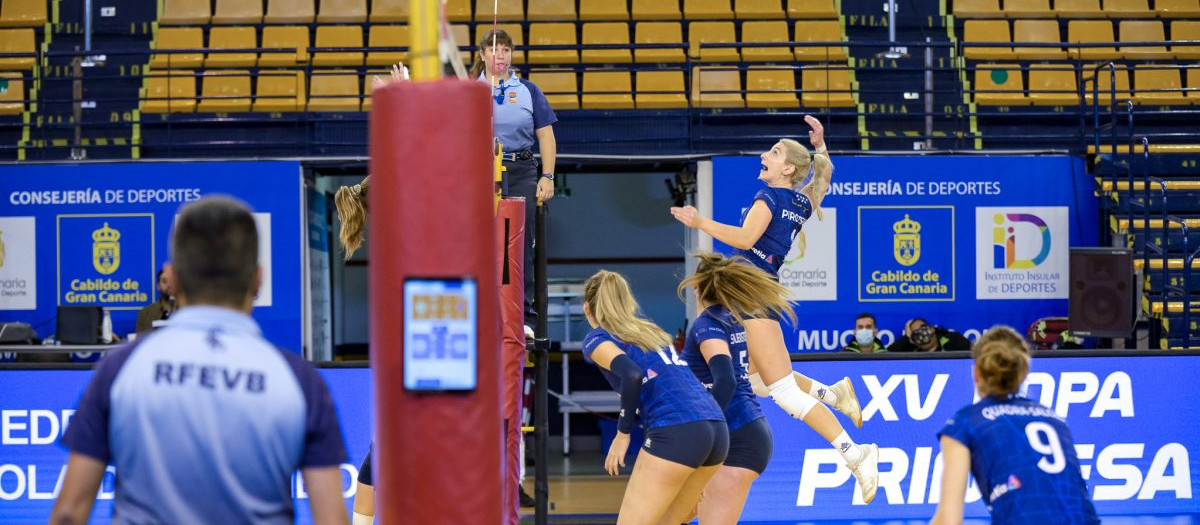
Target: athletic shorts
x=364, y=471
x=694, y=444
x=750, y=446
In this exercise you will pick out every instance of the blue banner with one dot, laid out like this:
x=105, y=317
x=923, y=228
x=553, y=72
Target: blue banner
x=97, y=234
x=965, y=242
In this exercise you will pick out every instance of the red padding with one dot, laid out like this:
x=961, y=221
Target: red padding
x=510, y=230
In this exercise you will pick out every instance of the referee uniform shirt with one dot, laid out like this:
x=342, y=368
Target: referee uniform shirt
x=205, y=422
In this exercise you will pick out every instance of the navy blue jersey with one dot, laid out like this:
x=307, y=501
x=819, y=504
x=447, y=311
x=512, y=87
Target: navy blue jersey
x=1023, y=459
x=670, y=394
x=790, y=209
x=717, y=323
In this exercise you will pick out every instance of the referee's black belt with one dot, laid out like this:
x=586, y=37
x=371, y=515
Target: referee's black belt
x=524, y=154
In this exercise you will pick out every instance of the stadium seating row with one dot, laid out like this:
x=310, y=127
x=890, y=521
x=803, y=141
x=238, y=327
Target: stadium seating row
x=229, y=91
x=1076, y=9
x=18, y=41
x=1055, y=85
x=237, y=12
x=1078, y=31
x=22, y=13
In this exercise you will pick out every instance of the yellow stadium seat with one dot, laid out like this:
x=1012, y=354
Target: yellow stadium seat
x=757, y=9
x=181, y=12
x=169, y=38
x=606, y=90
x=170, y=92
x=612, y=33
x=335, y=90
x=23, y=13
x=342, y=12
x=236, y=12
x=369, y=86
x=560, y=87
x=1078, y=9
x=384, y=11
x=1185, y=30
x=1128, y=9
x=387, y=36
x=289, y=12
x=506, y=11
x=603, y=10
x=977, y=9
x=826, y=87
x=712, y=33
x=1158, y=86
x=551, y=11
x=515, y=32
x=12, y=98
x=17, y=41
x=1177, y=8
x=1092, y=31
x=1053, y=85
x=986, y=31
x=771, y=88
x=279, y=92
x=811, y=9
x=462, y=38
x=658, y=33
x=1105, y=84
x=820, y=31
x=458, y=10
x=1000, y=85
x=1143, y=31
x=1015, y=9
x=338, y=36
x=556, y=34
x=226, y=91
x=1040, y=31
x=1193, y=83
x=717, y=88
x=232, y=38
x=766, y=31
x=660, y=90
x=707, y=10
x=284, y=37
x=656, y=10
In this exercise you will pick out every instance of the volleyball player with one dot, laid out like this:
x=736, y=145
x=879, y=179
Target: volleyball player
x=1020, y=452
x=686, y=436
x=766, y=235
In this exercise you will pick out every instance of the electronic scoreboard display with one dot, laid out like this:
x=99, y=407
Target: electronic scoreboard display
x=440, y=334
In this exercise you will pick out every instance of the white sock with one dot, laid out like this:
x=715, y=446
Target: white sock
x=362, y=519
x=822, y=392
x=787, y=394
x=847, y=448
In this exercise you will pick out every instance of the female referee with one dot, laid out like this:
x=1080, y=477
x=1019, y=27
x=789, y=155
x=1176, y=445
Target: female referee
x=686, y=436
x=766, y=235
x=1020, y=452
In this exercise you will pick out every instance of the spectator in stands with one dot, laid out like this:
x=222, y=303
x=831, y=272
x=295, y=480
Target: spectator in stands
x=920, y=336
x=205, y=420
x=158, y=310
x=866, y=336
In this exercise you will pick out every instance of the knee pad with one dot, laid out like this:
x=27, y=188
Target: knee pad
x=789, y=397
x=760, y=388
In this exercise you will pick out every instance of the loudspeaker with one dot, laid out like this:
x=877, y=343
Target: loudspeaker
x=79, y=325
x=1102, y=289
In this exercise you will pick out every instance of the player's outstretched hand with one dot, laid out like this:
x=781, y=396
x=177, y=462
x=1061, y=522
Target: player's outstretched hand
x=688, y=215
x=817, y=136
x=616, y=454
x=399, y=72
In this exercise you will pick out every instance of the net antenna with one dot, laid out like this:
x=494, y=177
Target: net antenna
x=448, y=49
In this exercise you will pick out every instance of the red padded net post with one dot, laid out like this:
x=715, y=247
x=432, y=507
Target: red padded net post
x=510, y=233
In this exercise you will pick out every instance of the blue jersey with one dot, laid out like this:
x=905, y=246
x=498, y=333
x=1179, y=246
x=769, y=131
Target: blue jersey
x=1023, y=459
x=670, y=394
x=717, y=323
x=790, y=209
x=521, y=109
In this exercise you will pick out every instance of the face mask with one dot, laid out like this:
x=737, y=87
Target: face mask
x=922, y=336
x=864, y=337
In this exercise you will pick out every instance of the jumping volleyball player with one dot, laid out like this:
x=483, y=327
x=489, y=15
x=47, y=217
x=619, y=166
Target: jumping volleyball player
x=686, y=437
x=766, y=235
x=1020, y=452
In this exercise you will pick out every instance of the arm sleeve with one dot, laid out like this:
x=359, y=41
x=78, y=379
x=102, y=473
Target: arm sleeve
x=631, y=390
x=724, y=382
x=959, y=429
x=592, y=341
x=87, y=432
x=768, y=198
x=543, y=114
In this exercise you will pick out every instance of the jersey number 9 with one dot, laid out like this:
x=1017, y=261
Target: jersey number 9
x=1044, y=440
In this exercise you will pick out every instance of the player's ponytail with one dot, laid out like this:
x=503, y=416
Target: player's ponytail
x=744, y=290
x=1001, y=361
x=614, y=308
x=804, y=162
x=351, y=203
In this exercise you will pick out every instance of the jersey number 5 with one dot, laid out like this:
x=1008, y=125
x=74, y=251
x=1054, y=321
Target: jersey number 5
x=673, y=358
x=1044, y=440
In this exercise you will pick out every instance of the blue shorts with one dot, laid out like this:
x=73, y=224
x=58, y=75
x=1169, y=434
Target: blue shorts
x=750, y=446
x=694, y=444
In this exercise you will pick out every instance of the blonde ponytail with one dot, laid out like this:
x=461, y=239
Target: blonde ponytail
x=613, y=307
x=746, y=291
x=1001, y=361
x=351, y=203
x=801, y=159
